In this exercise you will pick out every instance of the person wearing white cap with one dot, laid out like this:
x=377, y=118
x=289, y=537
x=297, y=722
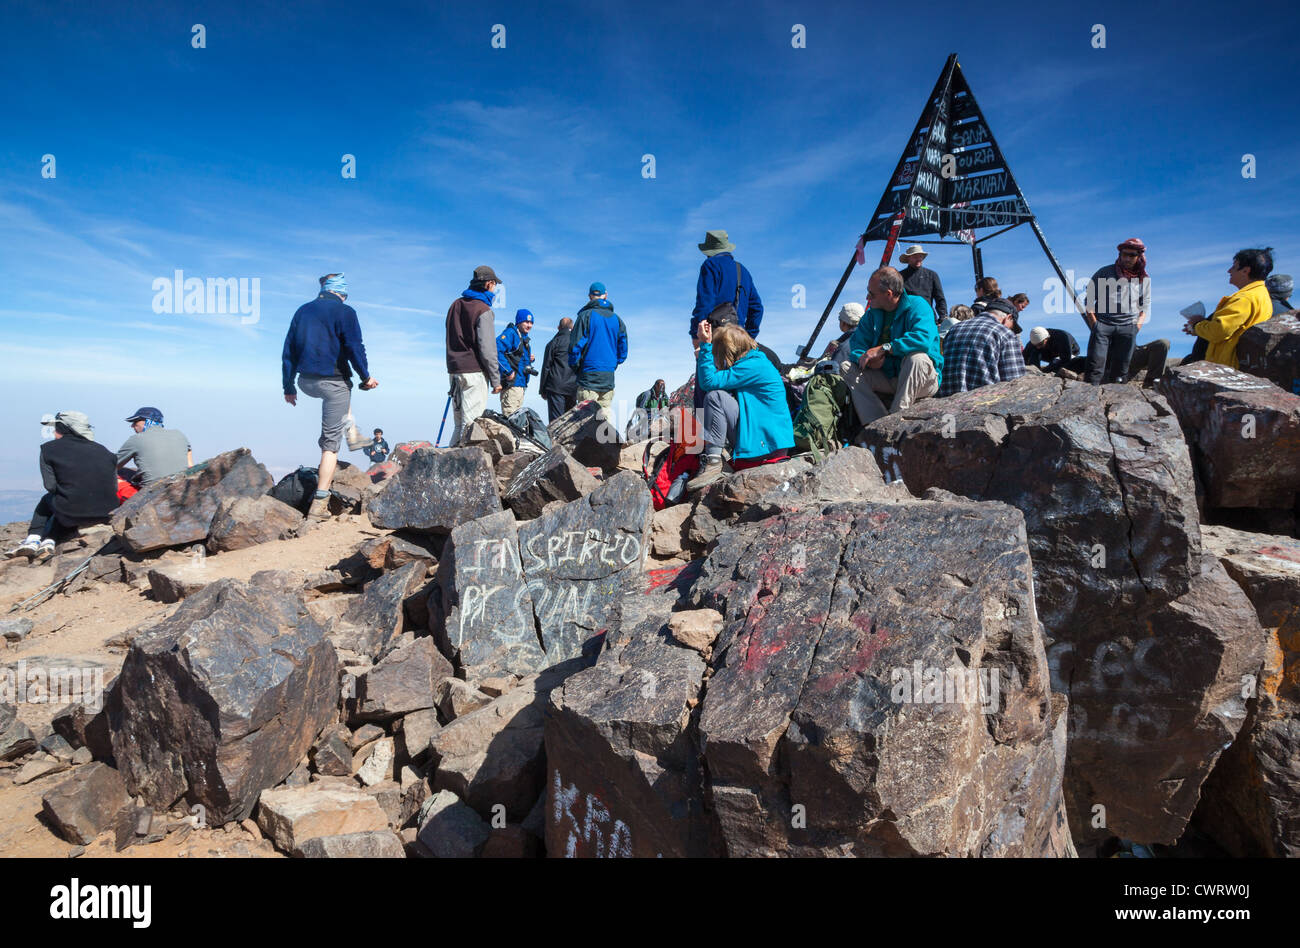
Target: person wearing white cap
x=80, y=479
x=837, y=350
x=1051, y=349
x=922, y=281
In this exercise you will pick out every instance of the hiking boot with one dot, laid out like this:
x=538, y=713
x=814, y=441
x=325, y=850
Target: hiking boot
x=28, y=548
x=319, y=509
x=709, y=472
x=44, y=552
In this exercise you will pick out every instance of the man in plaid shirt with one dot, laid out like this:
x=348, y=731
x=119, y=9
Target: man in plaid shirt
x=982, y=350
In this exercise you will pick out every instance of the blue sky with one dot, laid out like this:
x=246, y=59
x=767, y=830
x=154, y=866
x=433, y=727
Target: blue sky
x=225, y=162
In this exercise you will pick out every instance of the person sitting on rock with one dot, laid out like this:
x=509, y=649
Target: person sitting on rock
x=1236, y=313
x=378, y=450
x=1052, y=349
x=982, y=351
x=1280, y=287
x=895, y=349
x=986, y=291
x=745, y=405
x=158, y=452
x=958, y=314
x=80, y=479
x=837, y=350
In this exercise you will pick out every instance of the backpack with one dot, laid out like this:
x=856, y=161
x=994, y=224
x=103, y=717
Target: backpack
x=825, y=415
x=296, y=489
x=526, y=425
x=682, y=456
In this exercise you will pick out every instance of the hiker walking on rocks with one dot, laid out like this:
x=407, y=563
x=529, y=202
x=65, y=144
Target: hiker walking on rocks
x=321, y=347
x=80, y=479
x=895, y=349
x=922, y=281
x=982, y=351
x=471, y=350
x=1118, y=304
x=323, y=342
x=598, y=346
x=1236, y=313
x=515, y=362
x=158, y=452
x=745, y=407
x=558, y=382
x=724, y=281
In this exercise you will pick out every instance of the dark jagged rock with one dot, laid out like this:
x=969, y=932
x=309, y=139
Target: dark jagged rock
x=312, y=584
x=86, y=804
x=221, y=700
x=580, y=559
x=554, y=475
x=483, y=617
x=623, y=771
x=404, y=681
x=451, y=830
x=1250, y=805
x=332, y=756
x=86, y=727
x=516, y=598
x=584, y=432
x=372, y=623
x=839, y=622
x=495, y=755
x=1245, y=433
x=247, y=521
x=1271, y=350
x=179, y=509
x=16, y=738
x=1152, y=706
x=436, y=490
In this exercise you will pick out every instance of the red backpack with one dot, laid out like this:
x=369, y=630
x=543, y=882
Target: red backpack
x=682, y=456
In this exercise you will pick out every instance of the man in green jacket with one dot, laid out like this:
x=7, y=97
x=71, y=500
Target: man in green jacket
x=895, y=349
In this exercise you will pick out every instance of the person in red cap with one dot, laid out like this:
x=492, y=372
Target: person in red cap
x=1118, y=304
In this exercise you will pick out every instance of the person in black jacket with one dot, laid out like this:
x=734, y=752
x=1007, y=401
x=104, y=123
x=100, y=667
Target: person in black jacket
x=558, y=382
x=80, y=479
x=1051, y=349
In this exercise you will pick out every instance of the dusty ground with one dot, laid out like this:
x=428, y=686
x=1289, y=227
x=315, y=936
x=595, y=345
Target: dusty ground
x=79, y=630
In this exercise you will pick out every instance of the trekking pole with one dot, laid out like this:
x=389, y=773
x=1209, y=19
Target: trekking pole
x=438, y=443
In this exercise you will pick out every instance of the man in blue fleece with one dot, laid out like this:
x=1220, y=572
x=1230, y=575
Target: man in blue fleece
x=598, y=347
x=323, y=339
x=895, y=349
x=722, y=280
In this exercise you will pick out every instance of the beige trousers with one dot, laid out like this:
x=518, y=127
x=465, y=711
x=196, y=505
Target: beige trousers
x=916, y=379
x=604, y=399
x=512, y=399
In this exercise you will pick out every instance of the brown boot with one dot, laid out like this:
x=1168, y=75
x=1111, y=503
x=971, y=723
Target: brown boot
x=709, y=472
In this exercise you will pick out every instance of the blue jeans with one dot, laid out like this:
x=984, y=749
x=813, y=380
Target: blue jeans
x=1110, y=348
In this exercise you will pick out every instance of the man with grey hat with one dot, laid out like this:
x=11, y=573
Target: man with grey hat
x=158, y=452
x=472, y=350
x=922, y=281
x=1280, y=286
x=80, y=479
x=724, y=282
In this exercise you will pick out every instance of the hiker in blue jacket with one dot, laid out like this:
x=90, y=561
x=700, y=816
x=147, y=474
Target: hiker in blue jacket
x=744, y=403
x=599, y=346
x=718, y=283
x=323, y=340
x=515, y=359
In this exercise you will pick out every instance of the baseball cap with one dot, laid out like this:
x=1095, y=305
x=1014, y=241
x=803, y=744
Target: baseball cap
x=146, y=414
x=851, y=313
x=485, y=274
x=597, y=288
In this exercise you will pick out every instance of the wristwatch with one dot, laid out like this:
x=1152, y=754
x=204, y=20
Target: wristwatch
x=887, y=347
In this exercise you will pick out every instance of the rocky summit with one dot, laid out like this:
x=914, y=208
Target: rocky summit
x=1037, y=619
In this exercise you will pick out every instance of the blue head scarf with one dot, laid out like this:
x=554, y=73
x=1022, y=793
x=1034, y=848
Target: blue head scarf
x=335, y=284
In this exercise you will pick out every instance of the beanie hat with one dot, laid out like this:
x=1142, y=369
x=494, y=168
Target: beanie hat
x=523, y=316
x=851, y=313
x=1038, y=335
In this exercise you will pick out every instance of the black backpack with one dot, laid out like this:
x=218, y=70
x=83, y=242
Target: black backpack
x=296, y=489
x=526, y=424
x=725, y=313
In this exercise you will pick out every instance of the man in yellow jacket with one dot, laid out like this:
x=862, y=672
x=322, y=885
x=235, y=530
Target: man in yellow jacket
x=1251, y=304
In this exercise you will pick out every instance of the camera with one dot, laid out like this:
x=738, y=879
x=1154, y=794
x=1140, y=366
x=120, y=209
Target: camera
x=530, y=371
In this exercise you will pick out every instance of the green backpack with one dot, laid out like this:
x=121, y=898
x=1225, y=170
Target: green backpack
x=822, y=423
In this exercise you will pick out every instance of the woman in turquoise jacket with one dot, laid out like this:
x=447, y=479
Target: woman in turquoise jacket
x=744, y=404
